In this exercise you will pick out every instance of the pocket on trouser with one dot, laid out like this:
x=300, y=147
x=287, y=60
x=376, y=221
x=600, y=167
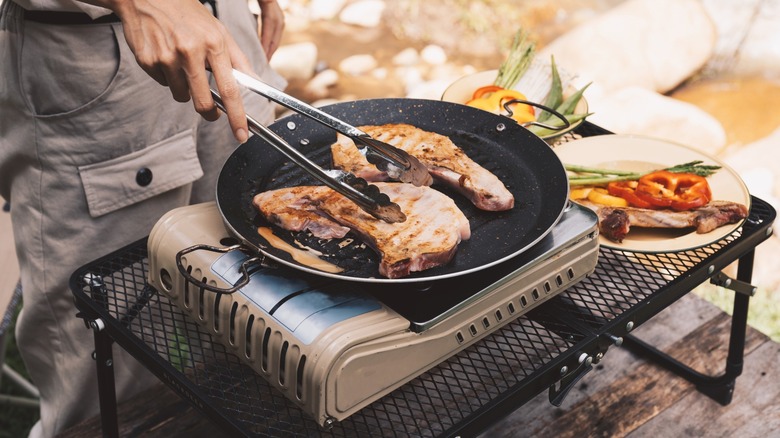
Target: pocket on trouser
x=126, y=180
x=57, y=77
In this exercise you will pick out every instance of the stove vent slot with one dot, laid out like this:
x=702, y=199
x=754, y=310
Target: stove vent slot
x=523, y=300
x=299, y=377
x=232, y=327
x=186, y=297
x=186, y=294
x=283, y=362
x=264, y=349
x=201, y=303
x=216, y=312
x=511, y=308
x=248, y=336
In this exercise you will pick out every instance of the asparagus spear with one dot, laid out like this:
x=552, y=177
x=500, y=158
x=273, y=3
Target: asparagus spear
x=517, y=61
x=598, y=176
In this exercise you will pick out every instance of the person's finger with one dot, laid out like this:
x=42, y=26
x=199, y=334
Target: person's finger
x=157, y=74
x=228, y=88
x=270, y=43
x=178, y=83
x=199, y=88
x=272, y=24
x=269, y=37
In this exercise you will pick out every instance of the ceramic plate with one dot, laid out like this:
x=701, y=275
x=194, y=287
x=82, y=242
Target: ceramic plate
x=624, y=152
x=534, y=84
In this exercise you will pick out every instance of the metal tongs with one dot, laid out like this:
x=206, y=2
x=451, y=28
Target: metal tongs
x=366, y=196
x=398, y=164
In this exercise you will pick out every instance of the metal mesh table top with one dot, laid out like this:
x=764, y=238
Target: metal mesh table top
x=509, y=366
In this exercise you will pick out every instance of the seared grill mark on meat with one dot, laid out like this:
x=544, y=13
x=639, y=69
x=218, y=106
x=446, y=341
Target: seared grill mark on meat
x=719, y=213
x=615, y=223
x=447, y=163
x=295, y=209
x=429, y=237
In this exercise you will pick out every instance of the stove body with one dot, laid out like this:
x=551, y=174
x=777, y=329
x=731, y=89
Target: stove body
x=333, y=347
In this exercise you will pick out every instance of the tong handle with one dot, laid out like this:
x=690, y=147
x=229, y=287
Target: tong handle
x=387, y=153
x=296, y=105
x=379, y=206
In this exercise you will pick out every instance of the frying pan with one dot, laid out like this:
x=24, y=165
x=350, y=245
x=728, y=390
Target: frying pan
x=525, y=163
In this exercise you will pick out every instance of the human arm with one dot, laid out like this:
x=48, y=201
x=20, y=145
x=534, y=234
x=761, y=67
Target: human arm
x=174, y=41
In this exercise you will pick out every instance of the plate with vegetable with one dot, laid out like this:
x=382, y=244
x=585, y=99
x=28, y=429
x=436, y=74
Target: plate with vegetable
x=522, y=89
x=652, y=195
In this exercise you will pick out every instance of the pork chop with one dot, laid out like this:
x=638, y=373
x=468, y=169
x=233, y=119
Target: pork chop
x=616, y=222
x=446, y=162
x=428, y=238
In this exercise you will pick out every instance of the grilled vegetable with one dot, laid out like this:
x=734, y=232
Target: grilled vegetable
x=555, y=96
x=593, y=176
x=601, y=196
x=667, y=188
x=627, y=191
x=679, y=191
x=568, y=104
x=517, y=61
x=485, y=91
x=493, y=99
x=580, y=193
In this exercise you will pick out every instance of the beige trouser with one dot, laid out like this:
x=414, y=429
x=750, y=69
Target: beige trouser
x=78, y=121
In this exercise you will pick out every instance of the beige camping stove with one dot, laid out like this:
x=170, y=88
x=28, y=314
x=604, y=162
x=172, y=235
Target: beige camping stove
x=335, y=346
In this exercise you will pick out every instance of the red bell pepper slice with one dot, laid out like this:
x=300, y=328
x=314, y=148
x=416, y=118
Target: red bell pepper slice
x=627, y=191
x=679, y=191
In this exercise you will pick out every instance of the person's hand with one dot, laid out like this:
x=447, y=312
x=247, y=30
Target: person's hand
x=271, y=26
x=174, y=41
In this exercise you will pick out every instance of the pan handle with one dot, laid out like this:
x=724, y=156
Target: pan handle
x=243, y=281
x=566, y=122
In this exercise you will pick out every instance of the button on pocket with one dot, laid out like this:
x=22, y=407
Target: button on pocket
x=143, y=177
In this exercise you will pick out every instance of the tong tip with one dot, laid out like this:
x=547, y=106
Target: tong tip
x=399, y=164
x=391, y=214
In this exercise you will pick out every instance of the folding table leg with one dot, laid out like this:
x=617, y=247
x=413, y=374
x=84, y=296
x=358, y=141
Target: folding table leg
x=105, y=374
x=104, y=358
x=719, y=388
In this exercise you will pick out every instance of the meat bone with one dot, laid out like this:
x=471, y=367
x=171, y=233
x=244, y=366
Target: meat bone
x=365, y=195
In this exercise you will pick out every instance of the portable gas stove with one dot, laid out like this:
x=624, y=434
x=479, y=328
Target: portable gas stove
x=333, y=346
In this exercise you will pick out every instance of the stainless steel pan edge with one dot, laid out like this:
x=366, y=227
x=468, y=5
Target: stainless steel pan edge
x=526, y=164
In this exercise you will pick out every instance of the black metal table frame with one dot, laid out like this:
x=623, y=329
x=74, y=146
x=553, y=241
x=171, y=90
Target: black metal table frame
x=589, y=330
